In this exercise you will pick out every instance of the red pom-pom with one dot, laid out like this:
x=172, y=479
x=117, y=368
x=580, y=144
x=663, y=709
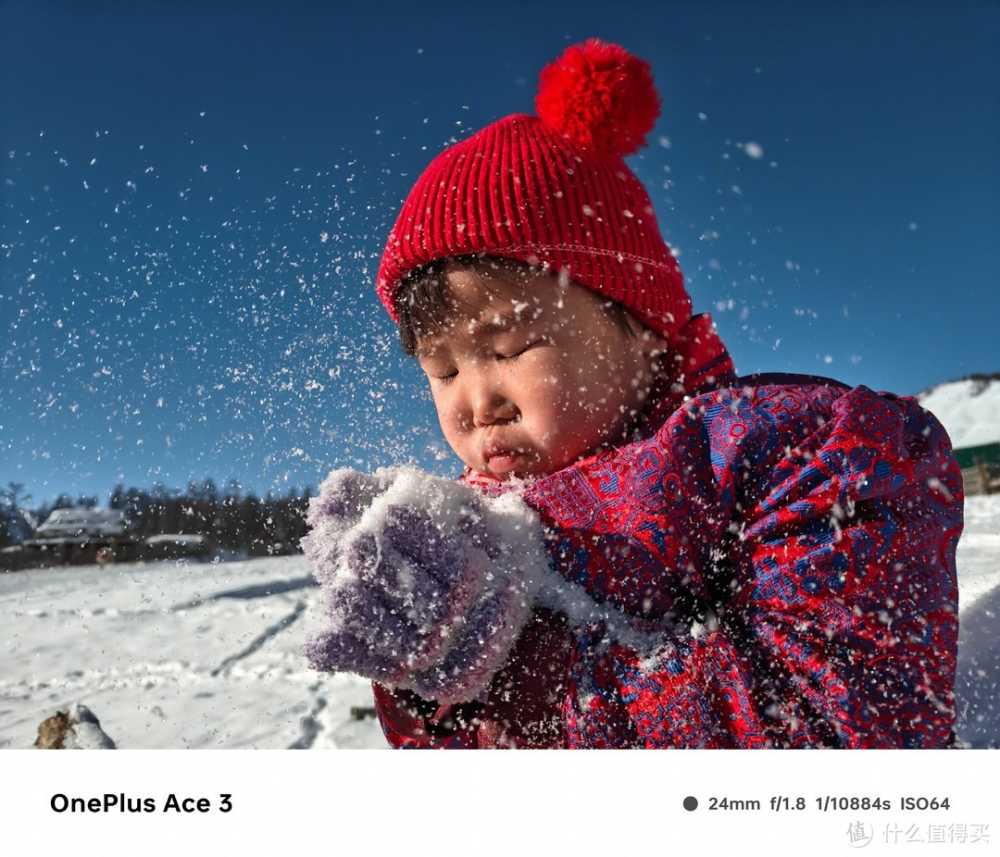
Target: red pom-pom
x=600, y=96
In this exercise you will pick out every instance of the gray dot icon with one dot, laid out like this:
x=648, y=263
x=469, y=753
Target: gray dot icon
x=690, y=803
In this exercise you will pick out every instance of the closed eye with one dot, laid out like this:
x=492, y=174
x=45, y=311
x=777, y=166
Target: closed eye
x=517, y=354
x=444, y=379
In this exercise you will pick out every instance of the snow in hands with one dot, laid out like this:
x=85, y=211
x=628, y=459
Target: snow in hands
x=425, y=586
x=427, y=583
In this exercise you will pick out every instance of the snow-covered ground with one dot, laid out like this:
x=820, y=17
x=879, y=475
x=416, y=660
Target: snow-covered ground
x=189, y=655
x=174, y=655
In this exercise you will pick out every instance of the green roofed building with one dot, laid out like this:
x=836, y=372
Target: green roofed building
x=988, y=453
x=980, y=468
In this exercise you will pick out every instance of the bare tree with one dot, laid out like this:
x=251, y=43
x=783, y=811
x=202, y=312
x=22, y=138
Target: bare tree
x=11, y=495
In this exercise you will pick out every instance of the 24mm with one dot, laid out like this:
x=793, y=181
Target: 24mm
x=730, y=804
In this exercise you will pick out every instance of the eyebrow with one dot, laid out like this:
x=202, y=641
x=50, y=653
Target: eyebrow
x=497, y=322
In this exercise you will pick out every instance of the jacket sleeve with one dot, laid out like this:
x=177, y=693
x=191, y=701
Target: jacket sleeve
x=811, y=532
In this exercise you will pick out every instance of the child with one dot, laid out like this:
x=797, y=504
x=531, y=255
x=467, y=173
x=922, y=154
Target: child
x=644, y=550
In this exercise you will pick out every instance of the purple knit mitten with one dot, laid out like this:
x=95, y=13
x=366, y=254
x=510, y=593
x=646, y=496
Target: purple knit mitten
x=426, y=584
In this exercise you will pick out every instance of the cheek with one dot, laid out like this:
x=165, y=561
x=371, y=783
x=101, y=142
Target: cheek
x=546, y=387
x=449, y=417
x=558, y=373
x=591, y=392
x=552, y=397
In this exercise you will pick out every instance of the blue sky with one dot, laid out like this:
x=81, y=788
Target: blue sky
x=195, y=196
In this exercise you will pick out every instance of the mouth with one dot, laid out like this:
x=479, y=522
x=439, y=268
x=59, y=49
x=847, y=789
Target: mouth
x=504, y=459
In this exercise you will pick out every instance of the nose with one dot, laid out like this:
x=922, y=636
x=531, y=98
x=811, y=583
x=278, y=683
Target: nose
x=490, y=406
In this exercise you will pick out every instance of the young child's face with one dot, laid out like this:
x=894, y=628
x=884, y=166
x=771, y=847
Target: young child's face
x=531, y=374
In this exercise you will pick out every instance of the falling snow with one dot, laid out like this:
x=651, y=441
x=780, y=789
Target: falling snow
x=271, y=356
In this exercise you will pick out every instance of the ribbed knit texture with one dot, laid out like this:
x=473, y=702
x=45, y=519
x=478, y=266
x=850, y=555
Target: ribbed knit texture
x=521, y=190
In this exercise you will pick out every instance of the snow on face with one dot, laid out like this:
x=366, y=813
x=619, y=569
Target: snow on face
x=531, y=373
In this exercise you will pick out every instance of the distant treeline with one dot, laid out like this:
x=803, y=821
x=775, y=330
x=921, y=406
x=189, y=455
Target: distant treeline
x=242, y=523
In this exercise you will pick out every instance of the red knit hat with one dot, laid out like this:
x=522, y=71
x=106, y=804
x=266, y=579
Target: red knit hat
x=553, y=190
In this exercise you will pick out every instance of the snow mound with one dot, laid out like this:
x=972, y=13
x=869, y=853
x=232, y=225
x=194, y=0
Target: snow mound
x=969, y=409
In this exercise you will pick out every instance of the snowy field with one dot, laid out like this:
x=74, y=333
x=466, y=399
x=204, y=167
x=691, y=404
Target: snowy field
x=209, y=656
x=174, y=655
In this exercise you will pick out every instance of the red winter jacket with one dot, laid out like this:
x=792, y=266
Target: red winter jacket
x=790, y=541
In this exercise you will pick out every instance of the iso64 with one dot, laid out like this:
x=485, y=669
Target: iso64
x=920, y=803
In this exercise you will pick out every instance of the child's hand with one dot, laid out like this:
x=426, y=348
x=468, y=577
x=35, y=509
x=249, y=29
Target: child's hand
x=344, y=496
x=427, y=586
